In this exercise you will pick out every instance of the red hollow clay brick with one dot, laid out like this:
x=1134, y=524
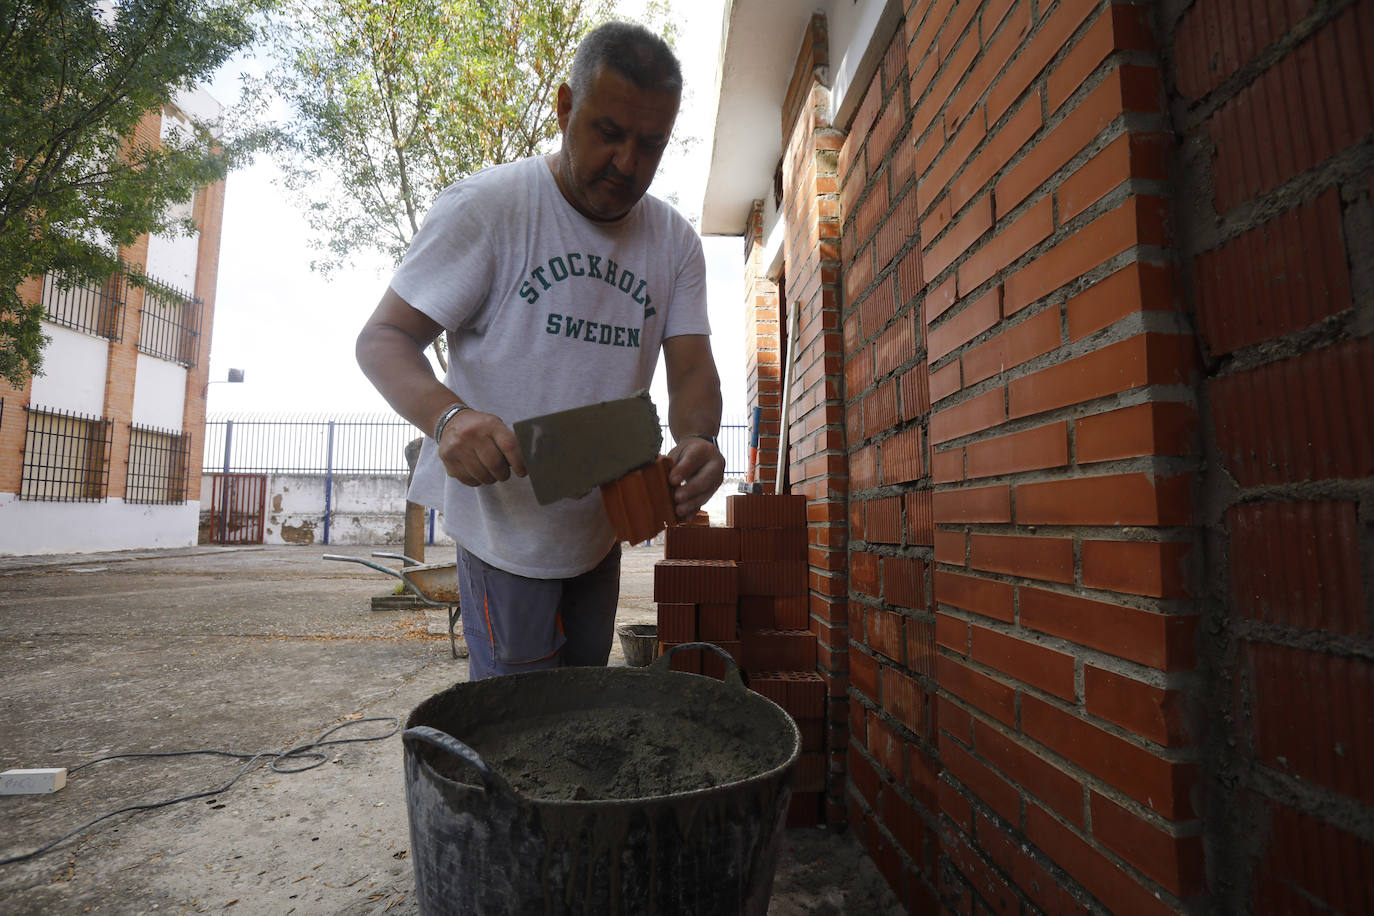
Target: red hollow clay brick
x=640, y=504
x=778, y=650
x=693, y=542
x=771, y=545
x=770, y=684
x=765, y=510
x=790, y=612
x=805, y=692
x=696, y=581
x=1298, y=564
x=717, y=622
x=756, y=612
x=677, y=622
x=785, y=578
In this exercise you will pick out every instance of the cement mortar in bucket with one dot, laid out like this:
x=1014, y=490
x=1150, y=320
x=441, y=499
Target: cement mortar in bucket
x=544, y=793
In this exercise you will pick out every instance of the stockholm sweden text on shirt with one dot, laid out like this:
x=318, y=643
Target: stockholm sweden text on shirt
x=594, y=267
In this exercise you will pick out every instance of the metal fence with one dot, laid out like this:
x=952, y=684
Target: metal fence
x=357, y=444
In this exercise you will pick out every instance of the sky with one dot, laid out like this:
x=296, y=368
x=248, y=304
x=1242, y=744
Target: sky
x=292, y=331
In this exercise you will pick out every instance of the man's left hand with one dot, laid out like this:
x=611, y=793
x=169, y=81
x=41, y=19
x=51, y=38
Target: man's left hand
x=698, y=469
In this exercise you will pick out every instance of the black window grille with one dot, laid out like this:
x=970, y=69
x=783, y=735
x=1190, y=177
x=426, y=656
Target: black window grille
x=82, y=305
x=171, y=324
x=66, y=457
x=157, y=466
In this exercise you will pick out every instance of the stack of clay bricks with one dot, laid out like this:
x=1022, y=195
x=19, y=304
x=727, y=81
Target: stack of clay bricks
x=744, y=588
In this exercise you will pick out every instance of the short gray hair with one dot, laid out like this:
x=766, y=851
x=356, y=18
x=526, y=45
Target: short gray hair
x=630, y=50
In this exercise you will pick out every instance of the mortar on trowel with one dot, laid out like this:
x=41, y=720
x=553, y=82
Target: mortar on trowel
x=613, y=445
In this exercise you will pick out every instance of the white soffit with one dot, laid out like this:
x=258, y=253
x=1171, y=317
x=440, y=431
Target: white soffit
x=760, y=45
x=761, y=41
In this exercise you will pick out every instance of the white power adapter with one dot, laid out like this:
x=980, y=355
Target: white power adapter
x=32, y=782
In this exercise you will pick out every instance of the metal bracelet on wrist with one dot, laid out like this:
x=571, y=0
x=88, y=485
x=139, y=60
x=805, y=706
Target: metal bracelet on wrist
x=445, y=417
x=710, y=439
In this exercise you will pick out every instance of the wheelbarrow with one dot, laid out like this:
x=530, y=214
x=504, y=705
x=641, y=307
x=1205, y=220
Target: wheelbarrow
x=435, y=585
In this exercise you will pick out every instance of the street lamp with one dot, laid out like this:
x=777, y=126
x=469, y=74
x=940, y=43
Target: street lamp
x=235, y=377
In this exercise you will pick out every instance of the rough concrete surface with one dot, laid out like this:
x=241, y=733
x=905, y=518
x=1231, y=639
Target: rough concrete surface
x=248, y=650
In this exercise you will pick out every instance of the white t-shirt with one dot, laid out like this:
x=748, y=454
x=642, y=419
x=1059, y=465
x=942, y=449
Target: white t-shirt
x=545, y=310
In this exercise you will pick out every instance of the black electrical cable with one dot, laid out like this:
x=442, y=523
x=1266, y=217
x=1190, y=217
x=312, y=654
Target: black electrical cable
x=302, y=752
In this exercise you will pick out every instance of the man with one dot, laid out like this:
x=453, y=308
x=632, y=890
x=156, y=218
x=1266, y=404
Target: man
x=557, y=281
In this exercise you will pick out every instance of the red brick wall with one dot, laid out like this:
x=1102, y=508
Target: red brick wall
x=893, y=759
x=209, y=217
x=1020, y=406
x=1105, y=301
x=816, y=458
x=1274, y=181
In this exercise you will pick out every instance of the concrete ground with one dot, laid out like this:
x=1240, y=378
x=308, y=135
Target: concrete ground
x=249, y=650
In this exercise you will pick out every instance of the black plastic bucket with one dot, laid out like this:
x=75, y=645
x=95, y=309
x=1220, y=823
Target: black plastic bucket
x=482, y=847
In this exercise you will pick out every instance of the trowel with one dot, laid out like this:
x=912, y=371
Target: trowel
x=571, y=452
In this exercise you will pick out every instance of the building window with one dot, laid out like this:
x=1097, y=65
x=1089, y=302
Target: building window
x=82, y=305
x=157, y=466
x=66, y=457
x=171, y=324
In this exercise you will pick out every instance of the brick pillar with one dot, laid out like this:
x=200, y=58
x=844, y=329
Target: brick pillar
x=209, y=218
x=816, y=454
x=763, y=372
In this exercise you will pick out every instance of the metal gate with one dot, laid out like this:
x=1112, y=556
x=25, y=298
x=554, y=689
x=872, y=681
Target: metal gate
x=238, y=506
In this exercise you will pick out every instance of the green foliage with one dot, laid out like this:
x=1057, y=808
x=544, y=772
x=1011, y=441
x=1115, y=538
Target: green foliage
x=76, y=77
x=391, y=102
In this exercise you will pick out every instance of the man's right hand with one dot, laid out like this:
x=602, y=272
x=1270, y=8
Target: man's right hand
x=477, y=448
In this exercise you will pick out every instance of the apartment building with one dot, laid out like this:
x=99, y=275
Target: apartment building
x=102, y=450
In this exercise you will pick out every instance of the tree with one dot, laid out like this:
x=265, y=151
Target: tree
x=76, y=77
x=391, y=102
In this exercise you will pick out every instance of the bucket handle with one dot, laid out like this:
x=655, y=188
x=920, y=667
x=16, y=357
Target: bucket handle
x=661, y=664
x=423, y=734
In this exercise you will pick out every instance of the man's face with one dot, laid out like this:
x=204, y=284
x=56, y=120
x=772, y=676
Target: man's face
x=613, y=137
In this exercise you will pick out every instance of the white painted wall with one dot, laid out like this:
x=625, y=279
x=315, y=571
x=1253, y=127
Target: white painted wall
x=159, y=393
x=172, y=260
x=365, y=509
x=73, y=376
x=28, y=527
